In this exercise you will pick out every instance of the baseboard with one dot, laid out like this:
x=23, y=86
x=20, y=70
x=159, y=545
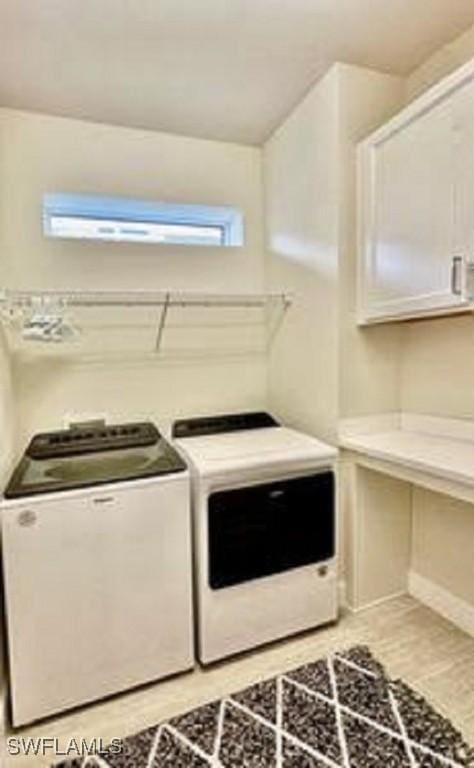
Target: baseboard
x=453, y=608
x=375, y=603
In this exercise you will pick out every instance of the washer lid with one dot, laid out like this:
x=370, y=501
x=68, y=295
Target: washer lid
x=220, y=453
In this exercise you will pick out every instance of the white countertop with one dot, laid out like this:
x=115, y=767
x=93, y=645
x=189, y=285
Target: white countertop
x=440, y=447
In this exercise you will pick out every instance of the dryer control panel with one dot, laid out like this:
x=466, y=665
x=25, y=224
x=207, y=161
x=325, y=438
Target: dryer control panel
x=232, y=422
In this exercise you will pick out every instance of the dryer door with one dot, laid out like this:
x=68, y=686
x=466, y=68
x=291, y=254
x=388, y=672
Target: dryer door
x=265, y=529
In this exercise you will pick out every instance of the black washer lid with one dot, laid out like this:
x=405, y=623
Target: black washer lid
x=213, y=425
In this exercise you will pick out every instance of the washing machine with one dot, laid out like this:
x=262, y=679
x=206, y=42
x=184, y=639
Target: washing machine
x=96, y=534
x=265, y=530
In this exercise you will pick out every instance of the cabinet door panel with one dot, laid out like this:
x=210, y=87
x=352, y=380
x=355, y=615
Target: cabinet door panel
x=463, y=109
x=414, y=214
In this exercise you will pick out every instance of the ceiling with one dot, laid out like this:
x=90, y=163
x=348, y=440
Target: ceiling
x=220, y=69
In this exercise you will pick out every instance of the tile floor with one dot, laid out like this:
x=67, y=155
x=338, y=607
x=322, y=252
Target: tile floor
x=412, y=642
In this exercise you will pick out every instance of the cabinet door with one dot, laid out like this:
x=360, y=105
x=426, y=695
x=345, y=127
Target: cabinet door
x=409, y=238
x=463, y=109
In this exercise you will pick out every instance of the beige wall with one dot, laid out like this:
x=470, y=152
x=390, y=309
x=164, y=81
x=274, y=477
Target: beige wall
x=301, y=198
x=47, y=154
x=7, y=409
x=368, y=358
x=50, y=154
x=49, y=392
x=322, y=366
x=437, y=367
x=443, y=542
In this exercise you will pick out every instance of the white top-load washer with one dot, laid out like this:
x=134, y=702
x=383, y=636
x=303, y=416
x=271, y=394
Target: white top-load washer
x=96, y=531
x=265, y=530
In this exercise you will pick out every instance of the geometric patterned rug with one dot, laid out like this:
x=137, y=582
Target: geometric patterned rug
x=339, y=712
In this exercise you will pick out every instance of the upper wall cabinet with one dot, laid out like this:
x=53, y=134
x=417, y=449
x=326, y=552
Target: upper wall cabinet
x=416, y=207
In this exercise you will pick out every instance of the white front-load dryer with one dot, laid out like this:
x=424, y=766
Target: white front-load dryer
x=265, y=530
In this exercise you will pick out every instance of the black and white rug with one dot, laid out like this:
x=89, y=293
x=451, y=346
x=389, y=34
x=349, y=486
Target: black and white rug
x=341, y=711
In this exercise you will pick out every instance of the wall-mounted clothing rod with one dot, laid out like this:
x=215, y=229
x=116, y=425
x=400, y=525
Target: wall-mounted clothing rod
x=143, y=298
x=42, y=315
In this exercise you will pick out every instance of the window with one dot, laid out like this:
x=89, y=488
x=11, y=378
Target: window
x=122, y=220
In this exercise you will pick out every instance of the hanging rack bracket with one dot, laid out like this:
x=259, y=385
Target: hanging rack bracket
x=161, y=325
